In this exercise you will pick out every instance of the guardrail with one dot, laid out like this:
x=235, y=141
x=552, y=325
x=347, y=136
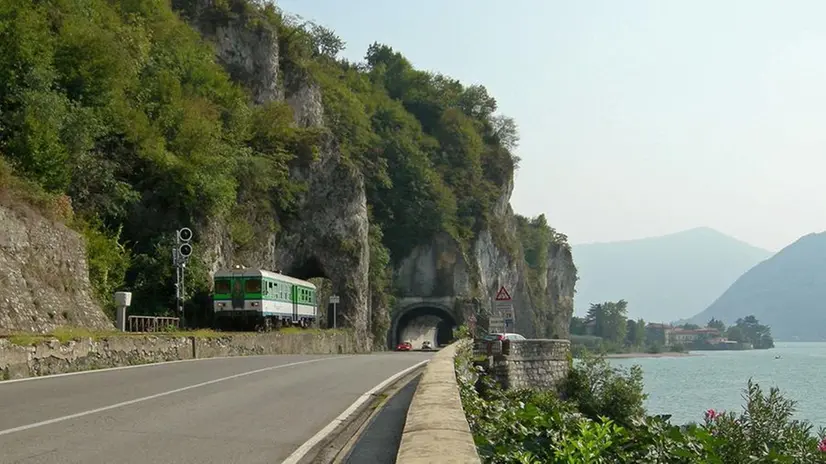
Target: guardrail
x=151, y=323
x=436, y=430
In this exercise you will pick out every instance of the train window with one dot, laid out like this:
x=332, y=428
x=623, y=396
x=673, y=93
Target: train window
x=222, y=286
x=253, y=286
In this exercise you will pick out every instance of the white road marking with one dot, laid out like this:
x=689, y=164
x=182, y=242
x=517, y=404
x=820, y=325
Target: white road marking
x=157, y=395
x=323, y=433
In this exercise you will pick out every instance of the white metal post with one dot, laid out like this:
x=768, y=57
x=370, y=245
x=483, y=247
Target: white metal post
x=334, y=299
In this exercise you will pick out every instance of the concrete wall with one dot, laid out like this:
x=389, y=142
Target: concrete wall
x=52, y=357
x=436, y=430
x=535, y=364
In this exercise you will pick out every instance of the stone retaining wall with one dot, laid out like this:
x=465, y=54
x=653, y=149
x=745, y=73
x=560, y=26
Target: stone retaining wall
x=535, y=364
x=436, y=430
x=52, y=357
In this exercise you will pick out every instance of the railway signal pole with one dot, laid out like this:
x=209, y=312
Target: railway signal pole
x=180, y=257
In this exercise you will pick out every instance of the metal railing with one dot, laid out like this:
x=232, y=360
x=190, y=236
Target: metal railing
x=152, y=323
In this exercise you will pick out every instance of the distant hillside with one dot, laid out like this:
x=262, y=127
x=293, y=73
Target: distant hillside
x=662, y=278
x=786, y=292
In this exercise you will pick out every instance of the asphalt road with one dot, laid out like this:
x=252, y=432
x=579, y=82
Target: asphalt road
x=237, y=410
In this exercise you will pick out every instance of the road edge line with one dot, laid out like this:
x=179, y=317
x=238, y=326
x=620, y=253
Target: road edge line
x=89, y=412
x=308, y=445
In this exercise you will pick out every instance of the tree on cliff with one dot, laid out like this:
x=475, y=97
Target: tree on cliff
x=122, y=107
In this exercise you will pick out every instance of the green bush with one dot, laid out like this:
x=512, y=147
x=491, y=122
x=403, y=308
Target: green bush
x=530, y=427
x=599, y=389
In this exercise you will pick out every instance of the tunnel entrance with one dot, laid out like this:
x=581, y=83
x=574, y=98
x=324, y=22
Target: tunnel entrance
x=306, y=269
x=312, y=270
x=422, y=324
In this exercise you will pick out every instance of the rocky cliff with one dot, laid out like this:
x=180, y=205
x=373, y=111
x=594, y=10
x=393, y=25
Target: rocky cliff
x=334, y=210
x=44, y=278
x=328, y=236
x=232, y=119
x=543, y=301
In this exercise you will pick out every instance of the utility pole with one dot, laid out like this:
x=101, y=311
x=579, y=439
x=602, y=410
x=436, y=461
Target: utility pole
x=180, y=256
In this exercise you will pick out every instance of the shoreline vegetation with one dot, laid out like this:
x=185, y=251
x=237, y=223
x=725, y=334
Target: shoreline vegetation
x=598, y=416
x=607, y=330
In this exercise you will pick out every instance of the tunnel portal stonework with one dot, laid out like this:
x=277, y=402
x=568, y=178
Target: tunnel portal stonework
x=410, y=308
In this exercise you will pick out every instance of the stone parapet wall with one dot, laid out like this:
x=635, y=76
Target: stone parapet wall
x=535, y=364
x=436, y=429
x=53, y=357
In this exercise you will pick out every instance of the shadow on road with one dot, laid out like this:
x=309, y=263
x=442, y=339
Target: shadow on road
x=380, y=441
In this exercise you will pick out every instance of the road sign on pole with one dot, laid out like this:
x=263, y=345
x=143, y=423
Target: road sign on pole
x=496, y=324
x=502, y=310
x=335, y=300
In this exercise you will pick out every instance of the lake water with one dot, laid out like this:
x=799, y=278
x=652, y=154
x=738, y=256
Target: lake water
x=687, y=386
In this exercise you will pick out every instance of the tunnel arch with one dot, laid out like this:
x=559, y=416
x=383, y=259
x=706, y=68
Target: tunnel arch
x=424, y=313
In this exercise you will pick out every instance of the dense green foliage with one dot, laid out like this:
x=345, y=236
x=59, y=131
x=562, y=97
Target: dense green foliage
x=121, y=107
x=601, y=420
x=750, y=330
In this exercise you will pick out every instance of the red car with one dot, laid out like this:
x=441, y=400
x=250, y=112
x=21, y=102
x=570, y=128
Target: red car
x=404, y=346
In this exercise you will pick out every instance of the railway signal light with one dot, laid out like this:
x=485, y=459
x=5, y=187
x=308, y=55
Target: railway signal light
x=185, y=234
x=185, y=250
x=180, y=255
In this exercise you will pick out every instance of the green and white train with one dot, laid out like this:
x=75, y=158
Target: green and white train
x=261, y=300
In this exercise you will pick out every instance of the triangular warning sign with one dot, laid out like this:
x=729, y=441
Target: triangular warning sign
x=503, y=295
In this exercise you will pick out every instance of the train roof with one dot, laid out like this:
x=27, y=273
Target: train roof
x=262, y=273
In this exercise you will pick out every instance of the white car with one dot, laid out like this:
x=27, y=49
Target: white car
x=426, y=345
x=504, y=336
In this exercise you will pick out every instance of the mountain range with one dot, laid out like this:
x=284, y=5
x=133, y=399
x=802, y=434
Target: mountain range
x=663, y=278
x=786, y=292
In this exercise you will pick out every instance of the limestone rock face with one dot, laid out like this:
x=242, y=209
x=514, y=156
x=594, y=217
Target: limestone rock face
x=44, y=277
x=248, y=51
x=329, y=235
x=440, y=269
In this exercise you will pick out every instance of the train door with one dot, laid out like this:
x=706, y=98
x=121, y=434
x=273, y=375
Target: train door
x=237, y=294
x=296, y=294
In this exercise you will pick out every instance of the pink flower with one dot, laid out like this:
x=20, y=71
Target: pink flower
x=822, y=445
x=711, y=415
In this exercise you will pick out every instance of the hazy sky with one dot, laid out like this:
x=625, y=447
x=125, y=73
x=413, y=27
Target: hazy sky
x=637, y=118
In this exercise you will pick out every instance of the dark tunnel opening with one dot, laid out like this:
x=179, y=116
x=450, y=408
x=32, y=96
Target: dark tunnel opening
x=306, y=269
x=425, y=323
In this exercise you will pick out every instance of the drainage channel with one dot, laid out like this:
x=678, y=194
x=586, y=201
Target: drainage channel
x=380, y=439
